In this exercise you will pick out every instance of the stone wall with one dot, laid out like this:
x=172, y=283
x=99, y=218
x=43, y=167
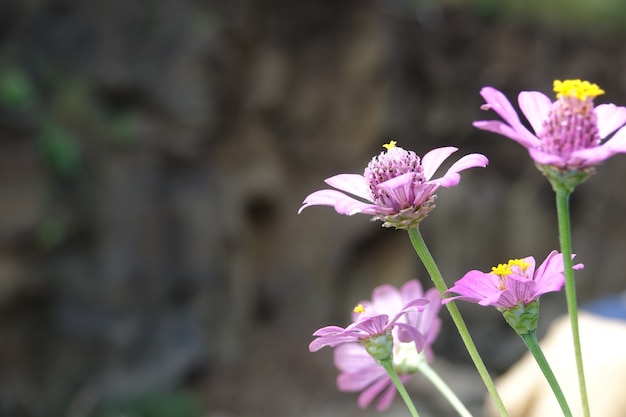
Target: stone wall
x=153, y=156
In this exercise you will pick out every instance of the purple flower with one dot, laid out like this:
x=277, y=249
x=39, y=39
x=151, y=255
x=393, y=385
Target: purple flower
x=511, y=284
x=396, y=187
x=569, y=133
x=360, y=371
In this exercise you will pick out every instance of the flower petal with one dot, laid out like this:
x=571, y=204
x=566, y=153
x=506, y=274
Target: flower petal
x=610, y=118
x=535, y=106
x=407, y=333
x=350, y=357
x=386, y=398
x=501, y=128
x=350, y=183
x=342, y=203
x=543, y=158
x=386, y=299
x=433, y=160
x=360, y=379
x=372, y=391
x=500, y=104
x=474, y=286
x=452, y=178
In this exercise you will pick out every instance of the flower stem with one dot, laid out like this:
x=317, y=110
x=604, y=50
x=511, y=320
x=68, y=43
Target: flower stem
x=424, y=254
x=562, y=208
x=530, y=339
x=444, y=389
x=388, y=365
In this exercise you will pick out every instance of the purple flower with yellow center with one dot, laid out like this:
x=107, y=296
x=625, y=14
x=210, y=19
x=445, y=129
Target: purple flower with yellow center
x=514, y=287
x=396, y=187
x=360, y=370
x=570, y=133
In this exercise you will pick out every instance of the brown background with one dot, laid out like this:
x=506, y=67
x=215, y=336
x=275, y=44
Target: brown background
x=153, y=155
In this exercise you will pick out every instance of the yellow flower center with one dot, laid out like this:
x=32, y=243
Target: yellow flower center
x=390, y=145
x=507, y=269
x=581, y=90
x=359, y=309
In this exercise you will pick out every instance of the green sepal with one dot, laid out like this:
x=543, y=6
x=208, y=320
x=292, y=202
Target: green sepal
x=566, y=179
x=380, y=347
x=523, y=318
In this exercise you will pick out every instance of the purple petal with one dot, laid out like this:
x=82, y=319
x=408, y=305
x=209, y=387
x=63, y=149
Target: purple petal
x=342, y=203
x=549, y=276
x=500, y=104
x=407, y=333
x=328, y=331
x=351, y=357
x=518, y=290
x=361, y=379
x=372, y=391
x=386, y=398
x=426, y=320
x=351, y=183
x=618, y=141
x=373, y=325
x=386, y=299
x=501, y=128
x=474, y=286
x=433, y=160
x=610, y=118
x=546, y=158
x=593, y=156
x=411, y=290
x=535, y=106
x=452, y=178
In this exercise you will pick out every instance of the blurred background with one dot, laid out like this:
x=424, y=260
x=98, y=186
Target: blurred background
x=154, y=153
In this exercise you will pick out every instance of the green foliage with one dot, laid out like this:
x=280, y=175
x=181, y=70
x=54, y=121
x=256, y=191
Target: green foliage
x=596, y=15
x=16, y=89
x=154, y=404
x=59, y=148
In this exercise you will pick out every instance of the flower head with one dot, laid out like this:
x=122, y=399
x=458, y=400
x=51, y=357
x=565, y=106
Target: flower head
x=509, y=285
x=396, y=187
x=360, y=370
x=570, y=134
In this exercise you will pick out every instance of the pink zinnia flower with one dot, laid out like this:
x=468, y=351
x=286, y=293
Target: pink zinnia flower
x=569, y=133
x=396, y=187
x=511, y=284
x=359, y=371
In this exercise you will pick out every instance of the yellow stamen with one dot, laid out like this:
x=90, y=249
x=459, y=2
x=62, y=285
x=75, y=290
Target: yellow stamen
x=359, y=309
x=581, y=90
x=501, y=269
x=506, y=269
x=390, y=145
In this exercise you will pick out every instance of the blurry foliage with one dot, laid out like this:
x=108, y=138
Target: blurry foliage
x=173, y=404
x=51, y=232
x=593, y=15
x=16, y=89
x=59, y=148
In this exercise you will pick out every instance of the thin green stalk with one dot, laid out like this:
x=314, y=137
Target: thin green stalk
x=388, y=365
x=562, y=207
x=530, y=339
x=424, y=254
x=444, y=389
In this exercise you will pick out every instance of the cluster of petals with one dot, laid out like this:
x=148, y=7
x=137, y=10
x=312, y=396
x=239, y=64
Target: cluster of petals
x=397, y=187
x=359, y=372
x=369, y=325
x=603, y=124
x=521, y=284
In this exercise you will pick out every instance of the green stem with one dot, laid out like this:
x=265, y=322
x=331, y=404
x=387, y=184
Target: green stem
x=443, y=388
x=424, y=254
x=530, y=339
x=388, y=365
x=562, y=207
